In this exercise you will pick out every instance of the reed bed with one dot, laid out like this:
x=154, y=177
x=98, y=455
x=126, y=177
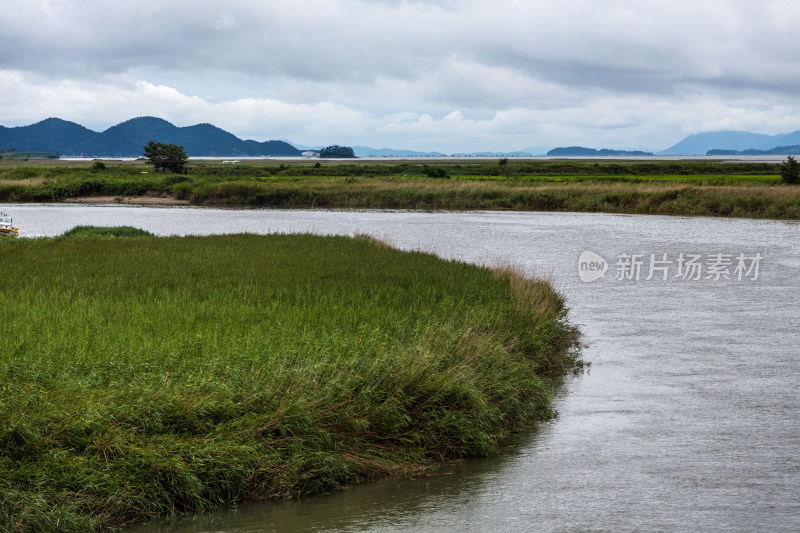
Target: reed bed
x=709, y=188
x=141, y=376
x=649, y=197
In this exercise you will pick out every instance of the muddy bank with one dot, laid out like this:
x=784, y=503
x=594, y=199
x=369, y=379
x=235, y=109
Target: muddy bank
x=131, y=200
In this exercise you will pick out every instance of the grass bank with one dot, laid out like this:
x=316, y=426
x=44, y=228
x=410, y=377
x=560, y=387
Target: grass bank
x=143, y=375
x=709, y=188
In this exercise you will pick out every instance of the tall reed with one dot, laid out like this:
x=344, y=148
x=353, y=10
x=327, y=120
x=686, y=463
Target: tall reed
x=142, y=375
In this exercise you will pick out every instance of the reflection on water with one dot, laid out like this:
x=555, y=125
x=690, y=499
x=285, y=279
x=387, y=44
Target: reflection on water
x=688, y=420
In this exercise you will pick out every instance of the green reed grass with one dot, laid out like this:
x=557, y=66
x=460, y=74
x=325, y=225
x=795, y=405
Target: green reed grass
x=709, y=188
x=142, y=376
x=663, y=197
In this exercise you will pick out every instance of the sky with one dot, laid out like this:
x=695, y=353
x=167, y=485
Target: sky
x=439, y=75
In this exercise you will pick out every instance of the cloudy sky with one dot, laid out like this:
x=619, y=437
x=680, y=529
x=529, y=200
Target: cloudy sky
x=446, y=75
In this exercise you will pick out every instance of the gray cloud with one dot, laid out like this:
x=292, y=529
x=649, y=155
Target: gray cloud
x=571, y=42
x=377, y=58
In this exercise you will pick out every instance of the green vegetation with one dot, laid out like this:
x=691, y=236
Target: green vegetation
x=143, y=375
x=13, y=154
x=790, y=171
x=711, y=188
x=435, y=172
x=95, y=232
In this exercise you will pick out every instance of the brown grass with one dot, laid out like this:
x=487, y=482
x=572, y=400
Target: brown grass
x=26, y=181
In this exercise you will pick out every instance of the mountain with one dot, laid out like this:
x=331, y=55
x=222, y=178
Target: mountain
x=127, y=139
x=45, y=135
x=580, y=151
x=701, y=143
x=366, y=151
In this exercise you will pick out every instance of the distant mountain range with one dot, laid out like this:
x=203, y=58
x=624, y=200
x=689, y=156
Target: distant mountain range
x=738, y=141
x=127, y=139
x=366, y=151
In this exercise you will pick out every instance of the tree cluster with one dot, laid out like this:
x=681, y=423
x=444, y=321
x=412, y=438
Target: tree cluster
x=790, y=171
x=166, y=157
x=436, y=172
x=337, y=151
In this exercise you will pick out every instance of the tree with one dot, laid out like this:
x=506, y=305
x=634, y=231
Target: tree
x=166, y=157
x=790, y=171
x=435, y=172
x=337, y=151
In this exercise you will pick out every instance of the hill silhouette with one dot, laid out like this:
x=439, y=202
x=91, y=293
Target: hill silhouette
x=736, y=141
x=580, y=151
x=127, y=139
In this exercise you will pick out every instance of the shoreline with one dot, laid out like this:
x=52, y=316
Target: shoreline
x=144, y=199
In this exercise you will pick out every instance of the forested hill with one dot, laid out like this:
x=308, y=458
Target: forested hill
x=580, y=151
x=128, y=138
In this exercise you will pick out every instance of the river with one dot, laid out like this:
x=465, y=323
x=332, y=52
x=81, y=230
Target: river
x=688, y=420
